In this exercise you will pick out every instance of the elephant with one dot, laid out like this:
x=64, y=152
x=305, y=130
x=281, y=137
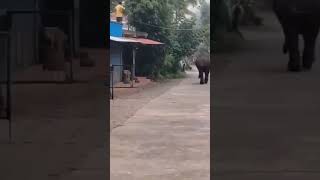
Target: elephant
x=298, y=17
x=202, y=62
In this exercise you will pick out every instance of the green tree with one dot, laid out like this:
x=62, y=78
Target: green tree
x=151, y=16
x=184, y=41
x=221, y=14
x=165, y=21
x=181, y=9
x=205, y=23
x=204, y=12
x=113, y=4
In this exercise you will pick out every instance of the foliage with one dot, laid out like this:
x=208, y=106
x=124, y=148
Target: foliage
x=184, y=42
x=149, y=16
x=221, y=20
x=168, y=65
x=113, y=4
x=204, y=33
x=221, y=14
x=166, y=21
x=181, y=9
x=204, y=13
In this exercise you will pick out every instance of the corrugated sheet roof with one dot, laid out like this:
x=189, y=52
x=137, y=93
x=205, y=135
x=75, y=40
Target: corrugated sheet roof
x=122, y=39
x=135, y=40
x=147, y=41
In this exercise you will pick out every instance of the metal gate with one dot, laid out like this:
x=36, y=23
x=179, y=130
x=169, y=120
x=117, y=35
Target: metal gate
x=112, y=75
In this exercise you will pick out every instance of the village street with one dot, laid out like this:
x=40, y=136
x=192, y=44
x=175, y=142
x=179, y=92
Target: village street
x=266, y=120
x=59, y=130
x=168, y=138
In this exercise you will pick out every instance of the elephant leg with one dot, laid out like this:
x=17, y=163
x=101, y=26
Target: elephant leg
x=206, y=76
x=201, y=75
x=285, y=47
x=281, y=21
x=309, y=36
x=199, y=70
x=285, y=44
x=292, y=38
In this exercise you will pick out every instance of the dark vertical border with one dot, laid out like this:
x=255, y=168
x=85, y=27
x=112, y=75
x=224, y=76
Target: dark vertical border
x=107, y=44
x=212, y=19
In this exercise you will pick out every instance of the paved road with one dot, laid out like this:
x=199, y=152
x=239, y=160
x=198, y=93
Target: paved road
x=56, y=127
x=123, y=107
x=265, y=120
x=168, y=138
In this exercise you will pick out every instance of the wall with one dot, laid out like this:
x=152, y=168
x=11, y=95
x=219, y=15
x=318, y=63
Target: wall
x=116, y=29
x=23, y=51
x=116, y=59
x=25, y=27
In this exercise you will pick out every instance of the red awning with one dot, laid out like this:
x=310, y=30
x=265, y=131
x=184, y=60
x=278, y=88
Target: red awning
x=135, y=40
x=146, y=41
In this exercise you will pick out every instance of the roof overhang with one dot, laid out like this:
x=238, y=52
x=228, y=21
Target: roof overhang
x=146, y=41
x=143, y=41
x=122, y=39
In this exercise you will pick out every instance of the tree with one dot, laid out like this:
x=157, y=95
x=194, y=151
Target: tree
x=151, y=16
x=204, y=13
x=186, y=41
x=165, y=21
x=205, y=23
x=113, y=4
x=221, y=14
x=181, y=9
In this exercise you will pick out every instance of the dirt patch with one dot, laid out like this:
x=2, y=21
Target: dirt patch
x=125, y=106
x=124, y=90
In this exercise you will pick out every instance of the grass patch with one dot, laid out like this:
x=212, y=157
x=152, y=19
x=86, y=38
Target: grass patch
x=166, y=77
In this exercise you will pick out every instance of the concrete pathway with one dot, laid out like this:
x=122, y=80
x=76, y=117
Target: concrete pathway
x=93, y=166
x=57, y=128
x=167, y=139
x=265, y=120
x=123, y=107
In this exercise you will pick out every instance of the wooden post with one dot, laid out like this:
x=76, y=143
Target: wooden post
x=133, y=74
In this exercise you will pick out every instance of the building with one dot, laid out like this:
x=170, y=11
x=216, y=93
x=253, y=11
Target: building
x=123, y=46
x=81, y=20
x=23, y=21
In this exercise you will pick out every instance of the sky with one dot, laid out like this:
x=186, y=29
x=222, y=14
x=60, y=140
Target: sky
x=195, y=9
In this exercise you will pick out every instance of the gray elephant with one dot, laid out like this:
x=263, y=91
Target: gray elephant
x=299, y=17
x=202, y=62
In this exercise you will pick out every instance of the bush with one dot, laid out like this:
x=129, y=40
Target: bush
x=170, y=65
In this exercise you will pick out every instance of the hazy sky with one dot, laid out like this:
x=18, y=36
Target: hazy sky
x=195, y=9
